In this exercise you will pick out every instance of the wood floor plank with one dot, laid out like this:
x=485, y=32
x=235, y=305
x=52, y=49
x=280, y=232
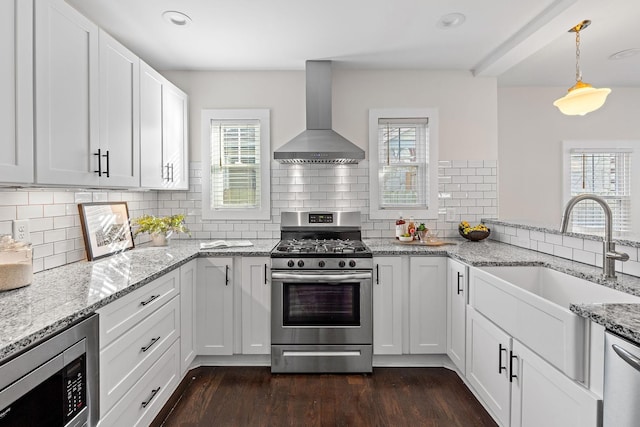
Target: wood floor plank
x=252, y=396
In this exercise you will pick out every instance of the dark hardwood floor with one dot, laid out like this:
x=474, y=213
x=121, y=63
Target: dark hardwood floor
x=252, y=396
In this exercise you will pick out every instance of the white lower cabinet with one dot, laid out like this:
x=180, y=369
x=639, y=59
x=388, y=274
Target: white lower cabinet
x=188, y=301
x=388, y=281
x=126, y=359
x=145, y=398
x=427, y=305
x=418, y=283
x=256, y=305
x=518, y=386
x=214, y=307
x=457, y=291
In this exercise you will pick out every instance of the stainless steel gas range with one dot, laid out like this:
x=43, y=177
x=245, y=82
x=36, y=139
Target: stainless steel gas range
x=321, y=305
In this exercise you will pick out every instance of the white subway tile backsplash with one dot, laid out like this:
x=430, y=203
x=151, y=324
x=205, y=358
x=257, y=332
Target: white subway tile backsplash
x=572, y=242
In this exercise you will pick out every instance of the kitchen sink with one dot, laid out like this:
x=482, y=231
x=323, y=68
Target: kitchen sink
x=557, y=287
x=531, y=303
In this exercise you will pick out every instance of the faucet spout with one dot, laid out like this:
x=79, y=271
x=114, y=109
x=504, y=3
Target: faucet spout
x=609, y=254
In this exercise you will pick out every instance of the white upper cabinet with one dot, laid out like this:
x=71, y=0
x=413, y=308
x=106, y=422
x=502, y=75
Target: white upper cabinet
x=66, y=96
x=119, y=113
x=16, y=91
x=163, y=132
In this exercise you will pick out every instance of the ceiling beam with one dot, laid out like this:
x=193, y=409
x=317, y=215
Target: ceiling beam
x=547, y=26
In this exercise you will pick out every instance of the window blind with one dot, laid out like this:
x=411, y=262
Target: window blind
x=606, y=173
x=235, y=164
x=403, y=163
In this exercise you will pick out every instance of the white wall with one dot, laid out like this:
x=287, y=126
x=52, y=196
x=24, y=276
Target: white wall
x=530, y=132
x=467, y=105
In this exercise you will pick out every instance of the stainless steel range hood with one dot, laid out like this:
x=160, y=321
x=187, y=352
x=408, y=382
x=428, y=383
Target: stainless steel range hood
x=319, y=143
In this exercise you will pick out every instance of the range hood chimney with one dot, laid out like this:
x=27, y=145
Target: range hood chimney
x=319, y=143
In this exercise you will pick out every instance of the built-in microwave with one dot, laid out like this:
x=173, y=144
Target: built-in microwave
x=54, y=383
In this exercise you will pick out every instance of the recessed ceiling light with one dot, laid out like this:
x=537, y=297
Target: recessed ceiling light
x=176, y=18
x=624, y=54
x=451, y=20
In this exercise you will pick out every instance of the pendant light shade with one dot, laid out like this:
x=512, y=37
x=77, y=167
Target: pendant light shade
x=582, y=98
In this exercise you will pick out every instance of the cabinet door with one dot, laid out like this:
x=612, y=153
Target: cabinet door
x=387, y=305
x=541, y=395
x=188, y=301
x=488, y=350
x=152, y=173
x=456, y=312
x=66, y=95
x=175, y=147
x=214, y=308
x=119, y=114
x=16, y=91
x=256, y=306
x=427, y=305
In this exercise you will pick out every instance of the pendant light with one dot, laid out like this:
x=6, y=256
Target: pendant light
x=582, y=98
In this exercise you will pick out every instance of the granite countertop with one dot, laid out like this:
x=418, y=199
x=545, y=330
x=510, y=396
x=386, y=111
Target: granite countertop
x=623, y=319
x=59, y=297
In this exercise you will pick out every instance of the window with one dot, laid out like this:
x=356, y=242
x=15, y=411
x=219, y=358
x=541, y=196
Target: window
x=603, y=169
x=403, y=154
x=235, y=152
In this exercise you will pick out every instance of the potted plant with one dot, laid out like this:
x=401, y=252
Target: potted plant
x=160, y=228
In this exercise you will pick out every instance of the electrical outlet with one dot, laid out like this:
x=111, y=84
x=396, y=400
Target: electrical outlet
x=451, y=215
x=21, y=230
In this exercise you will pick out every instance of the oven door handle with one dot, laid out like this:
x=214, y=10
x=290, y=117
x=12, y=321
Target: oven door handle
x=321, y=278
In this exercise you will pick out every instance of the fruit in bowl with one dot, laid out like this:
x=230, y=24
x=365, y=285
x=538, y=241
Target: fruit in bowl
x=405, y=237
x=475, y=233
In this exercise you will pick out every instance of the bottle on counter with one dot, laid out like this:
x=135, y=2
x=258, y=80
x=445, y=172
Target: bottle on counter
x=400, y=227
x=411, y=227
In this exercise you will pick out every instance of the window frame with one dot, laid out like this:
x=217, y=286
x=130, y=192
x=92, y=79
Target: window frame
x=263, y=212
x=375, y=210
x=604, y=145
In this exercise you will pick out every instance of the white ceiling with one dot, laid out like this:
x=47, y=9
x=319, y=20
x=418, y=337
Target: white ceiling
x=521, y=42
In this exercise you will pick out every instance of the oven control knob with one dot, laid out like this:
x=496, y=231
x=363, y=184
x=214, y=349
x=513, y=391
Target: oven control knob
x=321, y=264
x=290, y=263
x=300, y=263
x=341, y=264
x=352, y=263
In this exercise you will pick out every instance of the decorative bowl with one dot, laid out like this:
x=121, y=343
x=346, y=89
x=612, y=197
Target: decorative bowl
x=405, y=239
x=475, y=236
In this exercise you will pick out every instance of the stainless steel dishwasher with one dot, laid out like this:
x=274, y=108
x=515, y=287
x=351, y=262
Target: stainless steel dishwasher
x=621, y=382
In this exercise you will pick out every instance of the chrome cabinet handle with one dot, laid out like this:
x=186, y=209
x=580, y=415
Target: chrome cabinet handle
x=167, y=168
x=511, y=374
x=632, y=360
x=153, y=394
x=99, y=154
x=171, y=172
x=148, y=346
x=151, y=298
x=460, y=276
x=500, y=350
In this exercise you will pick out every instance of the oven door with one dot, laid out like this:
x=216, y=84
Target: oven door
x=321, y=307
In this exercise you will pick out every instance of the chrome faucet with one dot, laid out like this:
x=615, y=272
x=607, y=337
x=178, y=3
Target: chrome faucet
x=609, y=254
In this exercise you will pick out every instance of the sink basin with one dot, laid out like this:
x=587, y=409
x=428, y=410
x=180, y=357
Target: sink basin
x=532, y=305
x=558, y=287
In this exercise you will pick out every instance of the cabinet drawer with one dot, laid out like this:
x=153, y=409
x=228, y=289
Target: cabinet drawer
x=126, y=312
x=143, y=401
x=125, y=360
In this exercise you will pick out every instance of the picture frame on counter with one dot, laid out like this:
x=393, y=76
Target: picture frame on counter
x=106, y=228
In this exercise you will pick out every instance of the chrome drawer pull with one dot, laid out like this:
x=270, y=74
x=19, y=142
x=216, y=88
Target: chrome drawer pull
x=153, y=394
x=151, y=298
x=147, y=347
